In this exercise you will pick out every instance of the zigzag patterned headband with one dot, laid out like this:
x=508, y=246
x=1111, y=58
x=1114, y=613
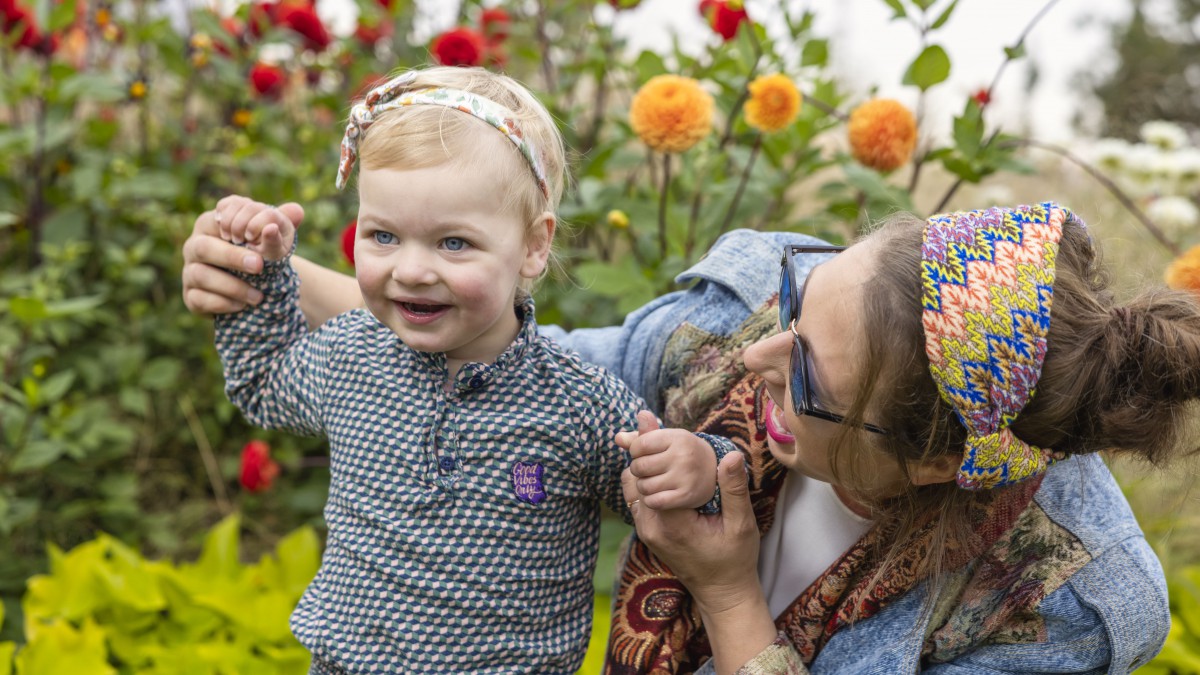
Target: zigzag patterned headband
x=988, y=284
x=395, y=93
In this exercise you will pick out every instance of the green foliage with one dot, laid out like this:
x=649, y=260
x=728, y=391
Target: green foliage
x=103, y=608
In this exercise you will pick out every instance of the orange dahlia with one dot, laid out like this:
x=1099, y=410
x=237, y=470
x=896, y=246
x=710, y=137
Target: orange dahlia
x=671, y=113
x=883, y=134
x=774, y=103
x=1184, y=273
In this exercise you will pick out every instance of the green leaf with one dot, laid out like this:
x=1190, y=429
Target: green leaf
x=816, y=53
x=153, y=185
x=944, y=16
x=6, y=655
x=620, y=281
x=93, y=86
x=37, y=455
x=56, y=386
x=968, y=130
x=62, y=14
x=648, y=65
x=219, y=557
x=1016, y=52
x=162, y=373
x=28, y=311
x=924, y=4
x=299, y=556
x=931, y=67
x=60, y=648
x=73, y=306
x=897, y=9
x=66, y=225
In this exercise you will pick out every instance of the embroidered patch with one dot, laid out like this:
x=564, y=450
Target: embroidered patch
x=527, y=482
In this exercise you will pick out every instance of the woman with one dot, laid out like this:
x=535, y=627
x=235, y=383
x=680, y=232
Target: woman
x=873, y=559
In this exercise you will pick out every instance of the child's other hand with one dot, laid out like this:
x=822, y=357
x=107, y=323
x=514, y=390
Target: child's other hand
x=264, y=229
x=675, y=469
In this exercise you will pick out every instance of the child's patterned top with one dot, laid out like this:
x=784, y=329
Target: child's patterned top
x=463, y=525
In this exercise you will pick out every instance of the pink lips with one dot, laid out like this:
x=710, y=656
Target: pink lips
x=421, y=318
x=775, y=427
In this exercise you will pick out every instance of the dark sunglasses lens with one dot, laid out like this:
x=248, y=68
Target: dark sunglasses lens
x=797, y=384
x=785, y=298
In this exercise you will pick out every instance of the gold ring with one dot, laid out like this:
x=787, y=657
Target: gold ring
x=629, y=505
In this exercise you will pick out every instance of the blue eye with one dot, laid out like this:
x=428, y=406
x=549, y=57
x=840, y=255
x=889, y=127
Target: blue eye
x=454, y=243
x=384, y=238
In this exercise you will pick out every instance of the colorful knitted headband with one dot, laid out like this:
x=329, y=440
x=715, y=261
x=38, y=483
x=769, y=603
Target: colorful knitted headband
x=988, y=283
x=395, y=94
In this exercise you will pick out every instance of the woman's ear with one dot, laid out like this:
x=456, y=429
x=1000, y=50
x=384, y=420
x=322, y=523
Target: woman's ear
x=939, y=470
x=538, y=238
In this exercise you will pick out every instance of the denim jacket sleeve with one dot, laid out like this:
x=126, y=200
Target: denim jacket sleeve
x=738, y=274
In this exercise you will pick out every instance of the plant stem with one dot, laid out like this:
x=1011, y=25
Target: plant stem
x=1112, y=187
x=1020, y=41
x=601, y=98
x=206, y=453
x=995, y=81
x=37, y=200
x=741, y=189
x=826, y=108
x=662, y=207
x=544, y=47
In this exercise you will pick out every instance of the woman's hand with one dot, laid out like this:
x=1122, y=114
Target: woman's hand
x=207, y=287
x=716, y=557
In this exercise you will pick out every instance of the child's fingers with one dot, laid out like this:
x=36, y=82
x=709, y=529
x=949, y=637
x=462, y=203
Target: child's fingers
x=659, y=440
x=647, y=422
x=224, y=213
x=271, y=243
x=241, y=219
x=264, y=218
x=650, y=465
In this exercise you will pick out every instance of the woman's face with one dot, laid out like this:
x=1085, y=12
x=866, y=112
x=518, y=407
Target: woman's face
x=832, y=327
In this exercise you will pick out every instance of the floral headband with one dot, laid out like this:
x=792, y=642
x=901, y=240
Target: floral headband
x=395, y=93
x=988, y=283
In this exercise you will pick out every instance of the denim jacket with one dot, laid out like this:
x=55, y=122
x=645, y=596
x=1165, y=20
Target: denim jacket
x=1109, y=616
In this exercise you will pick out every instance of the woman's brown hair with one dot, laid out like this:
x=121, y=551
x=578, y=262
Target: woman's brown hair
x=1115, y=378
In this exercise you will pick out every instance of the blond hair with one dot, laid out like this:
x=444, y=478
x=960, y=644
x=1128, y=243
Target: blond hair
x=422, y=136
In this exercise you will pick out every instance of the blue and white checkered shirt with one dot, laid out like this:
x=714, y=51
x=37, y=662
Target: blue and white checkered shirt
x=463, y=525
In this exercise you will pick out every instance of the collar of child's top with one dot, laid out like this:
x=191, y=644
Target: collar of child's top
x=988, y=285
x=396, y=93
x=475, y=375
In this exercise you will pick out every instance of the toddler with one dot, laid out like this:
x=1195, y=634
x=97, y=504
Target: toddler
x=468, y=455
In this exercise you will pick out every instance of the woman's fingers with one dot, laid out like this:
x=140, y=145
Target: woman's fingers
x=736, y=509
x=202, y=281
x=202, y=302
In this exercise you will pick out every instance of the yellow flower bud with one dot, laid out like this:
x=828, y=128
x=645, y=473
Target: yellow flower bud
x=618, y=219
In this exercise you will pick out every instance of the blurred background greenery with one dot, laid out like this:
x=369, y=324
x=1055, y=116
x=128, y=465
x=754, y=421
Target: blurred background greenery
x=120, y=121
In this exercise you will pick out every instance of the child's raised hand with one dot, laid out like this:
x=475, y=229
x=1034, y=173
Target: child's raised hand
x=675, y=469
x=264, y=229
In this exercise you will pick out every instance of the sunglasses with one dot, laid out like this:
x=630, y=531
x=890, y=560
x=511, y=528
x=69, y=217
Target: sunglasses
x=791, y=298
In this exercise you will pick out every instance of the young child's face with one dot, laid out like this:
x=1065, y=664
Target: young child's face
x=439, y=258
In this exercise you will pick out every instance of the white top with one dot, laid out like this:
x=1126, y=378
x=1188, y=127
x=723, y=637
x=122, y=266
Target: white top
x=812, y=529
